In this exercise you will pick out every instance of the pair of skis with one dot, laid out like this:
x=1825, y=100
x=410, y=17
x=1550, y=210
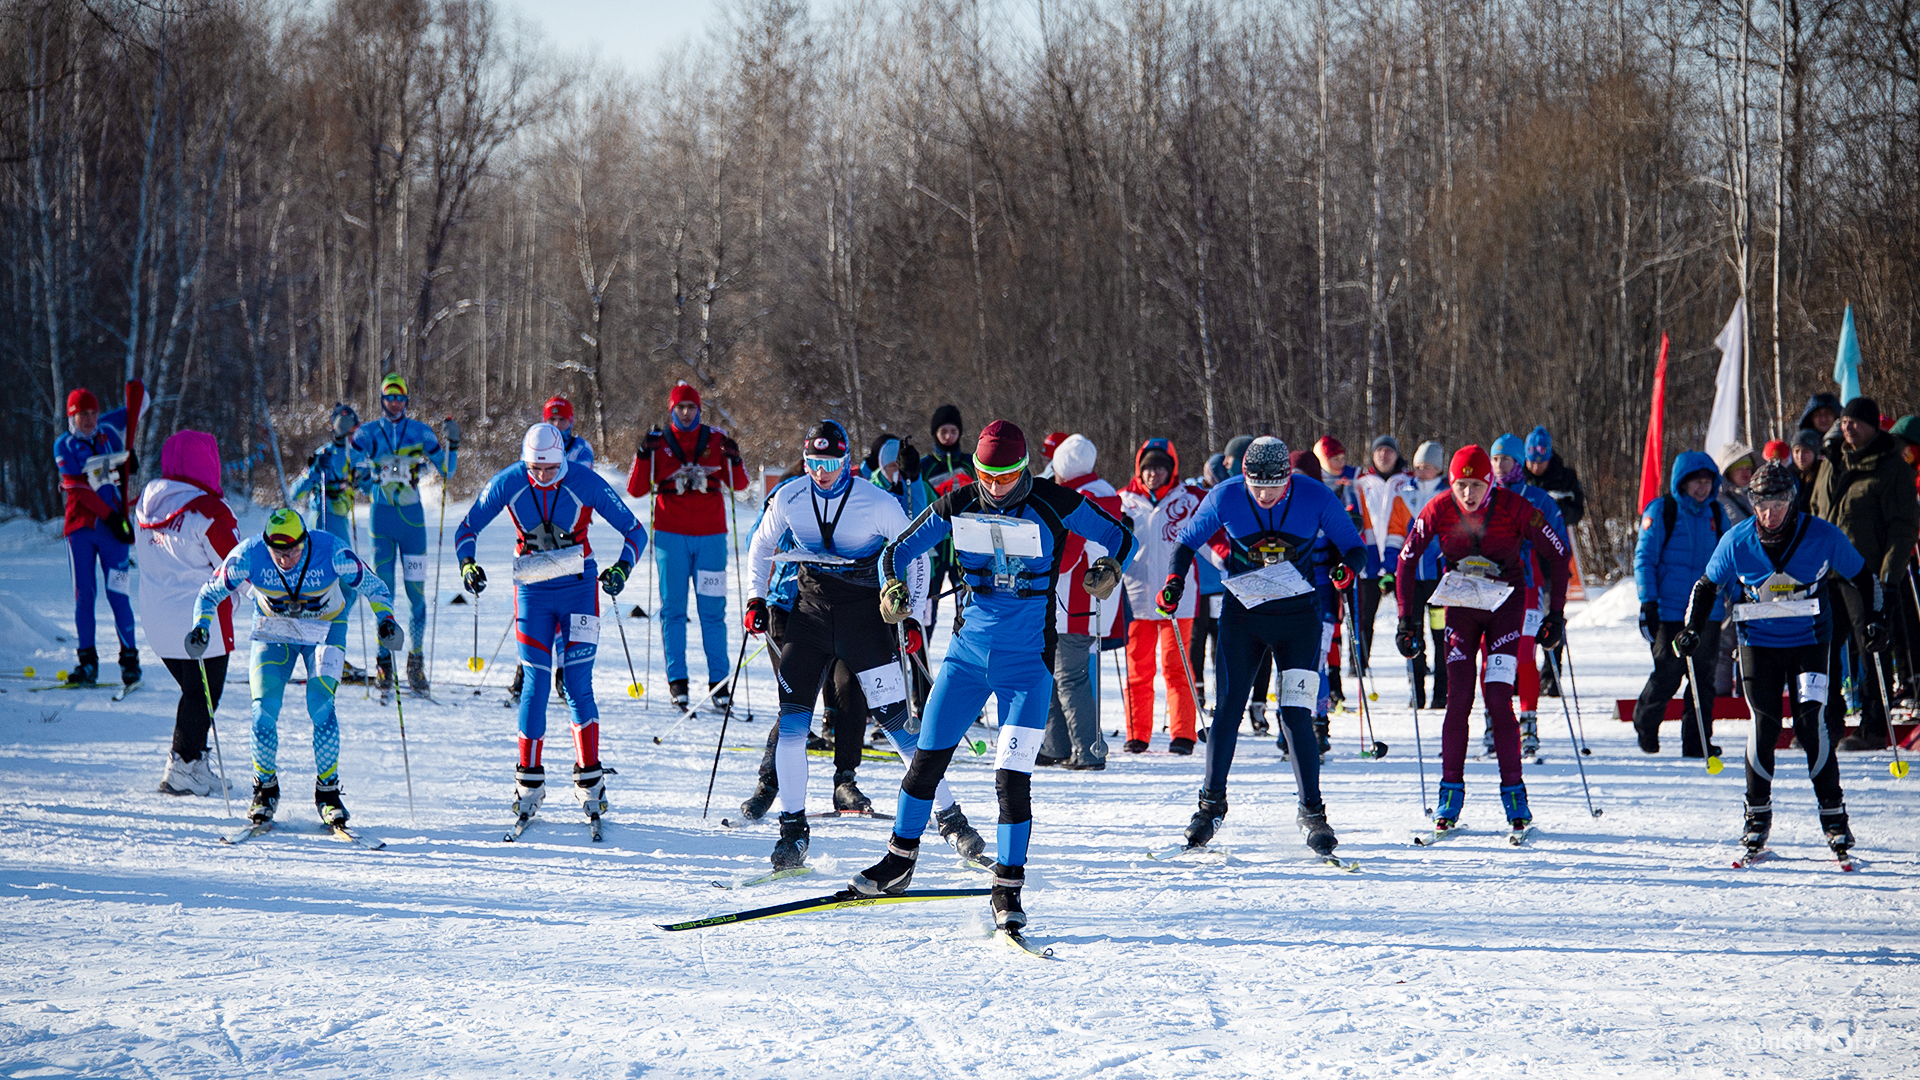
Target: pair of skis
x=338, y=832
x=120, y=690
x=595, y=828
x=1844, y=860
x=1516, y=837
x=1183, y=851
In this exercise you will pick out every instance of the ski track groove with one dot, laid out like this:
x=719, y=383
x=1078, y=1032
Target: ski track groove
x=138, y=946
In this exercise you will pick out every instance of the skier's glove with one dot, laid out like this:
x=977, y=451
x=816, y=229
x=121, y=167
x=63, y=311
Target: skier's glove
x=1341, y=575
x=1102, y=577
x=1408, y=638
x=1170, y=594
x=731, y=450
x=1649, y=619
x=473, y=577
x=755, y=619
x=915, y=637
x=909, y=461
x=1553, y=631
x=120, y=527
x=1877, y=636
x=1386, y=583
x=1685, y=643
x=197, y=639
x=654, y=440
x=614, y=578
x=893, y=601
x=452, y=437
x=391, y=636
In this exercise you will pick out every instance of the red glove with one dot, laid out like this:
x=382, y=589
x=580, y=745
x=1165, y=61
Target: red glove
x=755, y=619
x=1341, y=576
x=916, y=640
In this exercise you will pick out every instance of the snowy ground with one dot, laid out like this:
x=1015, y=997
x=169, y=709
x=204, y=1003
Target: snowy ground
x=137, y=945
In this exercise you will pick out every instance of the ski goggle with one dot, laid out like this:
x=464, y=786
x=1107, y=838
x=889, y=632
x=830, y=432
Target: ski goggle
x=1539, y=453
x=1004, y=472
x=825, y=464
x=1771, y=503
x=401, y=398
x=284, y=529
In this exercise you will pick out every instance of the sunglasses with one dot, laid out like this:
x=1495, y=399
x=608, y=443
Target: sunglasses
x=825, y=464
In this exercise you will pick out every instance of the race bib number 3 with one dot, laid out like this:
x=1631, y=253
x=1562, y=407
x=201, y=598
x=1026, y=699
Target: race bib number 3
x=1019, y=748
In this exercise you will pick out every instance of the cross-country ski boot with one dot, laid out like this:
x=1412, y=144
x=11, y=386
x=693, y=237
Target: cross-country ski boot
x=1446, y=812
x=1320, y=837
x=1833, y=822
x=590, y=783
x=755, y=806
x=86, y=671
x=847, y=796
x=893, y=873
x=1513, y=801
x=529, y=789
x=514, y=687
x=791, y=849
x=1759, y=824
x=721, y=697
x=1008, y=916
x=1323, y=734
x=1487, y=748
x=266, y=800
x=383, y=675
x=1206, y=820
x=1529, y=735
x=956, y=830
x=417, y=675
x=677, y=693
x=130, y=668
x=326, y=799
x=1257, y=719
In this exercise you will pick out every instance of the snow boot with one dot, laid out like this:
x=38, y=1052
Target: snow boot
x=893, y=873
x=791, y=849
x=1513, y=801
x=86, y=672
x=1529, y=734
x=266, y=800
x=1446, y=813
x=1753, y=835
x=1135, y=746
x=1313, y=822
x=350, y=674
x=721, y=697
x=590, y=783
x=677, y=691
x=417, y=675
x=130, y=667
x=847, y=794
x=1007, y=883
x=1833, y=822
x=1206, y=820
x=1257, y=718
x=529, y=789
x=514, y=688
x=1183, y=747
x=194, y=777
x=956, y=830
x=326, y=799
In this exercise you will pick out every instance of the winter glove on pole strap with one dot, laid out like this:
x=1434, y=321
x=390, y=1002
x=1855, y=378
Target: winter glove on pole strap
x=1170, y=595
x=120, y=527
x=1649, y=619
x=452, y=429
x=473, y=577
x=197, y=639
x=1408, y=638
x=391, y=636
x=1102, y=577
x=916, y=638
x=1553, y=631
x=754, y=620
x=614, y=578
x=893, y=601
x=1341, y=576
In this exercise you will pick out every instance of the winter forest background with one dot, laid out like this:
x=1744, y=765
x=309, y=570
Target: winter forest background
x=1446, y=218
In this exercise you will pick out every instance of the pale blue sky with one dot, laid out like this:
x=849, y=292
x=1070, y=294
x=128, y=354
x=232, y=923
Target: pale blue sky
x=632, y=32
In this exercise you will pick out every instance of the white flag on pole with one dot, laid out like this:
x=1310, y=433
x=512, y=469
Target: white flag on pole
x=1723, y=426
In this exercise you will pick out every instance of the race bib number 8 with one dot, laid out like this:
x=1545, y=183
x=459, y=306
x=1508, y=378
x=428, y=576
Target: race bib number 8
x=583, y=629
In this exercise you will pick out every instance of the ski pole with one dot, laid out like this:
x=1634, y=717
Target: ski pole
x=474, y=663
x=1377, y=749
x=739, y=585
x=1186, y=669
x=366, y=683
x=439, y=558
x=1898, y=768
x=739, y=665
x=219, y=759
x=646, y=647
x=405, y=763
x=1714, y=764
x=1574, y=685
x=1420, y=756
x=487, y=672
x=1591, y=809
x=634, y=689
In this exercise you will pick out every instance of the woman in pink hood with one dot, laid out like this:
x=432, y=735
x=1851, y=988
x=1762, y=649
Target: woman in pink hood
x=185, y=530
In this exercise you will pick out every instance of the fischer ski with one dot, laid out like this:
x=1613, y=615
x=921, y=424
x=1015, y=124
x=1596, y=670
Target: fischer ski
x=1350, y=866
x=1175, y=854
x=1754, y=858
x=371, y=843
x=831, y=902
x=1434, y=836
x=519, y=828
x=127, y=688
x=776, y=875
x=1020, y=942
x=1519, y=837
x=253, y=829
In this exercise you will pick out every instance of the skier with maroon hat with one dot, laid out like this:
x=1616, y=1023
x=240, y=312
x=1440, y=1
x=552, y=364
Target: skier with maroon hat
x=686, y=467
x=1484, y=534
x=1009, y=531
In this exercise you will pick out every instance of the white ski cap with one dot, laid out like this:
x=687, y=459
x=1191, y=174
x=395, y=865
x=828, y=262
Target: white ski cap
x=544, y=445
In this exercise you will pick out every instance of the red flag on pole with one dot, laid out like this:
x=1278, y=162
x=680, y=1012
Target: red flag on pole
x=1650, y=485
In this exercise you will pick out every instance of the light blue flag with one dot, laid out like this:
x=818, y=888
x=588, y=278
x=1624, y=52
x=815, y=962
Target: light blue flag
x=1846, y=366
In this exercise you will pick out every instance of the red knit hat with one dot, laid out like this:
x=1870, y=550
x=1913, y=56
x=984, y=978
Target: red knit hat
x=557, y=408
x=1052, y=442
x=1001, y=447
x=1775, y=450
x=82, y=401
x=1470, y=463
x=1328, y=447
x=682, y=393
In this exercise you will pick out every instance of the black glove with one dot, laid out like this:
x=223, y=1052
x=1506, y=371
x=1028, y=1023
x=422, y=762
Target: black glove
x=1170, y=594
x=197, y=639
x=654, y=440
x=452, y=436
x=614, y=578
x=1553, y=631
x=120, y=527
x=1649, y=620
x=755, y=619
x=1408, y=638
x=731, y=450
x=909, y=461
x=1686, y=642
x=1341, y=575
x=391, y=638
x=1877, y=636
x=473, y=577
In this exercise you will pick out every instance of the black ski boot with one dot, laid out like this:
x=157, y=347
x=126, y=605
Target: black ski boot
x=892, y=874
x=417, y=675
x=529, y=789
x=847, y=795
x=326, y=799
x=266, y=800
x=721, y=697
x=1834, y=823
x=383, y=673
x=87, y=671
x=1753, y=836
x=1336, y=695
x=677, y=692
x=1206, y=820
x=1313, y=822
x=514, y=688
x=791, y=849
x=1323, y=734
x=1529, y=735
x=1007, y=883
x=765, y=789
x=1257, y=718
x=589, y=781
x=130, y=667
x=956, y=830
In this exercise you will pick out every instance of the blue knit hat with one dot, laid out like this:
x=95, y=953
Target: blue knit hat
x=1509, y=445
x=1539, y=445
